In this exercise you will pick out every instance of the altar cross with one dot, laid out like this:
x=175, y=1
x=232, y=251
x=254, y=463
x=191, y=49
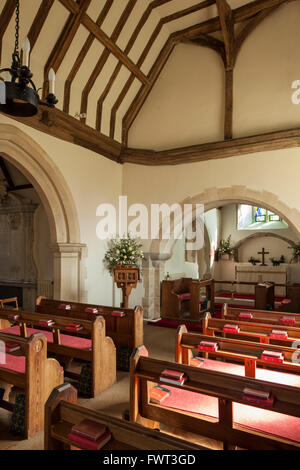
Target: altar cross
x=263, y=253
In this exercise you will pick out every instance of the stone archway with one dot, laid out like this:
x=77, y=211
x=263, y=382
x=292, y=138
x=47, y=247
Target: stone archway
x=210, y=198
x=25, y=154
x=260, y=235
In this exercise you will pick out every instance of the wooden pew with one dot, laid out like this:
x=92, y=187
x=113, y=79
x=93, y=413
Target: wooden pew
x=12, y=300
x=33, y=373
x=235, y=350
x=96, y=348
x=260, y=316
x=176, y=293
x=259, y=332
x=227, y=391
x=126, y=332
x=62, y=412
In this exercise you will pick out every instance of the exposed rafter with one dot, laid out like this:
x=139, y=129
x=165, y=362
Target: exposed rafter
x=215, y=150
x=5, y=18
x=81, y=56
x=104, y=56
x=246, y=12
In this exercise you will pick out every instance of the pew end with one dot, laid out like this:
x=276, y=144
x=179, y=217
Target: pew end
x=64, y=392
x=104, y=361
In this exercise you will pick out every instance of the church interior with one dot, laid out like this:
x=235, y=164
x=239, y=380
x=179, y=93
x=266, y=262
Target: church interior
x=116, y=333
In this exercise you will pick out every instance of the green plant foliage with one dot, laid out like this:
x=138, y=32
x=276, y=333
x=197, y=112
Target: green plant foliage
x=225, y=246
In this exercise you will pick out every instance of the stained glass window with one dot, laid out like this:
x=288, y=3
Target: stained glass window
x=260, y=214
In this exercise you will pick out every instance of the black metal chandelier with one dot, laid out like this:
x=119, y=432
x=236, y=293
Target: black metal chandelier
x=18, y=94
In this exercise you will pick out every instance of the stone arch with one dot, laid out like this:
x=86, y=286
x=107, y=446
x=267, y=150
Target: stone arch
x=24, y=153
x=161, y=250
x=260, y=235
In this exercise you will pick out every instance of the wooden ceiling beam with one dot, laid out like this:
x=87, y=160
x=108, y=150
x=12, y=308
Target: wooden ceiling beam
x=104, y=56
x=227, y=28
x=140, y=98
x=64, y=41
x=212, y=25
x=82, y=55
x=39, y=22
x=224, y=149
x=163, y=21
x=205, y=40
x=250, y=26
x=56, y=123
x=5, y=17
x=154, y=4
x=113, y=48
x=100, y=35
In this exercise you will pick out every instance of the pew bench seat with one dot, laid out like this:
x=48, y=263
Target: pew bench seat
x=244, y=416
x=66, y=340
x=15, y=363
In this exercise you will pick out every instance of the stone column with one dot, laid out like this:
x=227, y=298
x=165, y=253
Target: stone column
x=153, y=274
x=68, y=272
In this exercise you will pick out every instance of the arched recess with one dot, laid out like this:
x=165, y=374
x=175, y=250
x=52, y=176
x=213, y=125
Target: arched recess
x=24, y=153
x=260, y=235
x=211, y=198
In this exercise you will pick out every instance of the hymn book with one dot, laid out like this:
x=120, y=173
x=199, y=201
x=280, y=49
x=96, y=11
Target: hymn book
x=258, y=397
x=272, y=356
x=279, y=334
x=74, y=327
x=173, y=377
x=245, y=315
x=64, y=307
x=158, y=394
x=46, y=322
x=208, y=346
x=10, y=346
x=231, y=328
x=286, y=319
x=197, y=361
x=89, y=435
x=117, y=313
x=91, y=310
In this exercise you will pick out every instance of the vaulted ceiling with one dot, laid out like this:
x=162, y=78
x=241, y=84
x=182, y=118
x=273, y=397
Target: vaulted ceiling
x=108, y=54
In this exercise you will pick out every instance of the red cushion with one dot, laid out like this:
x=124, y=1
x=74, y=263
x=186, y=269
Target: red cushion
x=185, y=296
x=66, y=340
x=14, y=363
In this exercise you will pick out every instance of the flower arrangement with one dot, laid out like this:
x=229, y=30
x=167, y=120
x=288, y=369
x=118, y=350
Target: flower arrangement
x=123, y=251
x=253, y=261
x=225, y=246
x=296, y=252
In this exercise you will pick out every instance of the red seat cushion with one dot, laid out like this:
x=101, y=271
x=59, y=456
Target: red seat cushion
x=14, y=363
x=185, y=296
x=66, y=340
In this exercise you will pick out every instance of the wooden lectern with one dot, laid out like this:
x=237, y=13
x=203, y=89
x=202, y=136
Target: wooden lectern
x=126, y=279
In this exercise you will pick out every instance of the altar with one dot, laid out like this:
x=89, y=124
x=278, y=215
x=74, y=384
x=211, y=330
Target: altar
x=246, y=273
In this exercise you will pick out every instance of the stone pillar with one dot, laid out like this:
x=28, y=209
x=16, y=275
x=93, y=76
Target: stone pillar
x=153, y=274
x=68, y=271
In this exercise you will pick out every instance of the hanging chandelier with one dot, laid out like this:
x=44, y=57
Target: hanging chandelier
x=18, y=93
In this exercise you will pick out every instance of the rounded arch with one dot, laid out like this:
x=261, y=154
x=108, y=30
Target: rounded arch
x=212, y=198
x=24, y=153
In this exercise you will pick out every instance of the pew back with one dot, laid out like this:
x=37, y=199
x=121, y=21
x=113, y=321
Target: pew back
x=100, y=352
x=235, y=350
x=258, y=332
x=226, y=388
x=33, y=373
x=261, y=316
x=62, y=412
x=125, y=331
